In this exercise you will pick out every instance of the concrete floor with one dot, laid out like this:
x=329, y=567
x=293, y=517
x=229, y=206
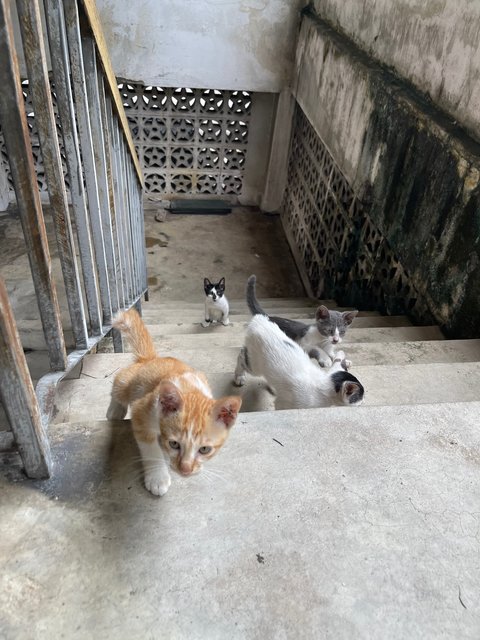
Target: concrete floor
x=337, y=523
x=310, y=525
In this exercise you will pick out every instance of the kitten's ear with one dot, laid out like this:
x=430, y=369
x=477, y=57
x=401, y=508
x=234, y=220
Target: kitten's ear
x=349, y=316
x=222, y=282
x=225, y=410
x=206, y=282
x=350, y=390
x=169, y=398
x=322, y=313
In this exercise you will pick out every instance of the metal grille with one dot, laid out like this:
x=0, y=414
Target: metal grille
x=189, y=141
x=344, y=254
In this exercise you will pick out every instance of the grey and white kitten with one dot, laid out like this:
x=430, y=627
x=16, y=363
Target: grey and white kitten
x=296, y=380
x=319, y=339
x=216, y=303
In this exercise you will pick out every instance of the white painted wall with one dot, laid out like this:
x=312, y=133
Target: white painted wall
x=214, y=44
x=433, y=43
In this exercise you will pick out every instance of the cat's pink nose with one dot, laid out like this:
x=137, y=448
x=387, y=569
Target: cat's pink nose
x=185, y=468
x=334, y=340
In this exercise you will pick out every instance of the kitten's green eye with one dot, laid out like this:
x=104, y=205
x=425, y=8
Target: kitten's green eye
x=204, y=450
x=174, y=444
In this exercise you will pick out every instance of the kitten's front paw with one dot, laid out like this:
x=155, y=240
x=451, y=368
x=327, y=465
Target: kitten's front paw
x=206, y=323
x=239, y=381
x=116, y=411
x=325, y=362
x=157, y=483
x=347, y=363
x=225, y=322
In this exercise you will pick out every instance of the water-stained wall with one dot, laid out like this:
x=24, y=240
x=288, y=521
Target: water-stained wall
x=247, y=45
x=435, y=44
x=415, y=171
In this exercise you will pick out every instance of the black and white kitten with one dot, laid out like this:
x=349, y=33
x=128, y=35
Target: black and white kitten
x=297, y=382
x=319, y=339
x=216, y=304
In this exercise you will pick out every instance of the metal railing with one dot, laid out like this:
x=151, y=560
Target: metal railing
x=106, y=220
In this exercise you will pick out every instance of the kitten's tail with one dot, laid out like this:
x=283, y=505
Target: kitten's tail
x=252, y=301
x=132, y=326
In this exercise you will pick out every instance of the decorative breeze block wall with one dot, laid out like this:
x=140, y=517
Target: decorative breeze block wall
x=342, y=252
x=189, y=141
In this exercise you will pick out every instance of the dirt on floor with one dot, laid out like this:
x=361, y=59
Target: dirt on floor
x=185, y=249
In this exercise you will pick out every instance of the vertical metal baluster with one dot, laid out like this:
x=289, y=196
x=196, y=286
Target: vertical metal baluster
x=133, y=226
x=120, y=202
x=65, y=105
x=84, y=129
x=126, y=224
x=18, y=396
x=33, y=46
x=111, y=189
x=141, y=233
x=141, y=216
x=98, y=141
x=17, y=141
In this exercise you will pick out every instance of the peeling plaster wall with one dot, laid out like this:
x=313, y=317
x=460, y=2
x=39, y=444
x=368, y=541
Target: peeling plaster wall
x=418, y=174
x=433, y=43
x=219, y=44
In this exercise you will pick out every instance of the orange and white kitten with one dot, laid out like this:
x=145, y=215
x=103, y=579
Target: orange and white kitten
x=176, y=421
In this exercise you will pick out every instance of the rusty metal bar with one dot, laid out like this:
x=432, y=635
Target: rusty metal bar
x=138, y=199
x=65, y=104
x=123, y=212
x=98, y=141
x=116, y=198
x=18, y=396
x=84, y=128
x=34, y=50
x=126, y=221
x=132, y=225
x=17, y=141
x=111, y=190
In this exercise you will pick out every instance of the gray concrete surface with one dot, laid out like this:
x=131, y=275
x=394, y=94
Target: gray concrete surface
x=340, y=523
x=211, y=338
x=380, y=353
x=384, y=385
x=430, y=43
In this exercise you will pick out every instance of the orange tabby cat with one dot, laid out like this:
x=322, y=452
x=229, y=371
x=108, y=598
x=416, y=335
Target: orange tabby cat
x=174, y=416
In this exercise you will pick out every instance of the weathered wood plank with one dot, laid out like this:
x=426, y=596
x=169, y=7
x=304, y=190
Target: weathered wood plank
x=84, y=128
x=91, y=13
x=35, y=57
x=18, y=396
x=17, y=141
x=61, y=76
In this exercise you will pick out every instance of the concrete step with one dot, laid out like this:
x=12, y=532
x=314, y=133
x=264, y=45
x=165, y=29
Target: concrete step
x=212, y=339
x=197, y=315
x=223, y=360
x=384, y=385
x=354, y=505
x=236, y=303
x=239, y=327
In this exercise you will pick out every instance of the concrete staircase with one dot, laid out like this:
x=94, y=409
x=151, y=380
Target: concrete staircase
x=398, y=364
x=341, y=522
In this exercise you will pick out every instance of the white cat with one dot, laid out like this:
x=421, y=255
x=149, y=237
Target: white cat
x=216, y=303
x=297, y=381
